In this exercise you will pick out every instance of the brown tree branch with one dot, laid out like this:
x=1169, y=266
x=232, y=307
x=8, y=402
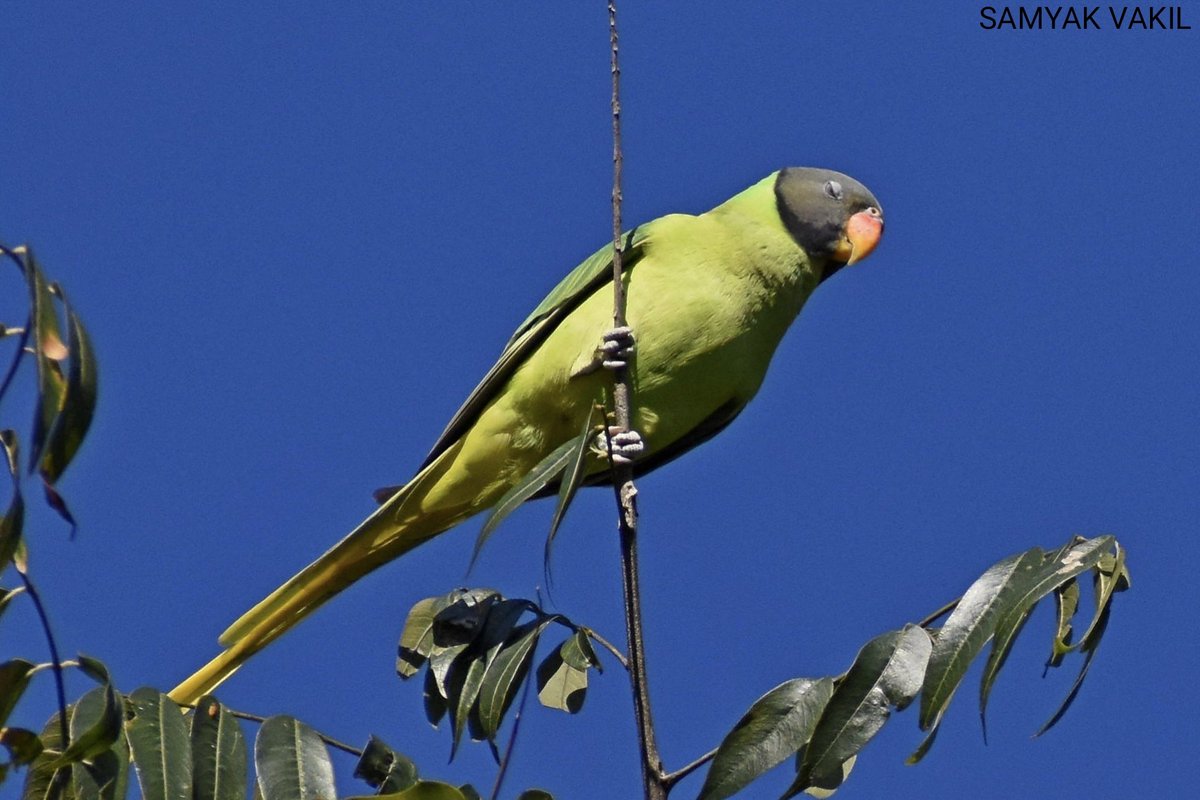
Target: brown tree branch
x=652, y=770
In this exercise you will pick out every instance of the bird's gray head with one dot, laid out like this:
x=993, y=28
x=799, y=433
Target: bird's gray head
x=833, y=217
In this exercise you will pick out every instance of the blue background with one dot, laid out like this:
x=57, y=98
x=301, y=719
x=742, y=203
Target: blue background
x=300, y=233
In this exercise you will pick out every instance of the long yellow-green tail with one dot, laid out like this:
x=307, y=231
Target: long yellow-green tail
x=387, y=534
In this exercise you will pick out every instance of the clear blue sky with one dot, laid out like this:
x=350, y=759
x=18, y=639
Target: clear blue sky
x=301, y=233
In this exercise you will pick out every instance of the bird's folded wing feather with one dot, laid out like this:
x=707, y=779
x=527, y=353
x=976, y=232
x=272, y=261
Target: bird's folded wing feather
x=581, y=282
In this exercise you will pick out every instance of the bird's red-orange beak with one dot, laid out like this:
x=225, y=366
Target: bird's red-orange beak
x=860, y=236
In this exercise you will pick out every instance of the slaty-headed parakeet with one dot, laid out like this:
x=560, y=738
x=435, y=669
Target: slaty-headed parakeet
x=709, y=298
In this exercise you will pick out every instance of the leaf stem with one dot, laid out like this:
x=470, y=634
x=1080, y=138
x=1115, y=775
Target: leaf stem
x=329, y=740
x=941, y=612
x=672, y=778
x=607, y=645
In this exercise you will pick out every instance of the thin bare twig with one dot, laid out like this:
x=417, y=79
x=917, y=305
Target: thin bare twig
x=941, y=612
x=626, y=493
x=59, y=685
x=329, y=740
x=672, y=778
x=607, y=645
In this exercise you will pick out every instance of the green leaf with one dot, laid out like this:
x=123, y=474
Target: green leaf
x=58, y=504
x=48, y=350
x=453, y=687
x=968, y=628
x=416, y=641
x=12, y=524
x=455, y=628
x=504, y=675
x=501, y=619
x=12, y=453
x=561, y=685
x=463, y=619
x=1027, y=588
x=158, y=737
x=1066, y=603
x=468, y=693
x=442, y=667
x=6, y=595
x=1111, y=576
x=292, y=762
x=20, y=558
x=778, y=724
x=435, y=702
x=102, y=731
x=14, y=678
x=94, y=668
x=833, y=782
x=887, y=673
x=385, y=769
x=78, y=403
x=572, y=477
x=219, y=755
x=23, y=745
x=545, y=471
x=1089, y=650
x=43, y=779
x=104, y=775
x=579, y=653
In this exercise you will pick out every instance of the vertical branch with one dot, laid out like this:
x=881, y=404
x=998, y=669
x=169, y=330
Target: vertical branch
x=618, y=251
x=653, y=781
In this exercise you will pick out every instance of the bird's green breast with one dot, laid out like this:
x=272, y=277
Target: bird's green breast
x=709, y=299
x=709, y=303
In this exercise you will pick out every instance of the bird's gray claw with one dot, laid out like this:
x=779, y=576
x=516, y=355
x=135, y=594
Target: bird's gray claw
x=617, y=348
x=625, y=445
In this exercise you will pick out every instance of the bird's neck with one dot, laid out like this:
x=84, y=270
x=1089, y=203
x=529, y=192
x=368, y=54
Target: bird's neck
x=756, y=202
x=753, y=217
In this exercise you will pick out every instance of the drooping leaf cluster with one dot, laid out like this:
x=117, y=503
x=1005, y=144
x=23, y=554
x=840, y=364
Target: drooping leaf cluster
x=203, y=753
x=51, y=335
x=824, y=723
x=478, y=647
x=65, y=396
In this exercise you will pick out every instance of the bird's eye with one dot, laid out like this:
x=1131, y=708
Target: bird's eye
x=833, y=190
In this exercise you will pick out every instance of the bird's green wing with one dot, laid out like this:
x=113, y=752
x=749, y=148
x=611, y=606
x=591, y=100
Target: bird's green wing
x=584, y=279
x=589, y=276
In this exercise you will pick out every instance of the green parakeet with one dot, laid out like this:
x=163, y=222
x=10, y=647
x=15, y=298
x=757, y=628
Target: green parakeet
x=709, y=299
